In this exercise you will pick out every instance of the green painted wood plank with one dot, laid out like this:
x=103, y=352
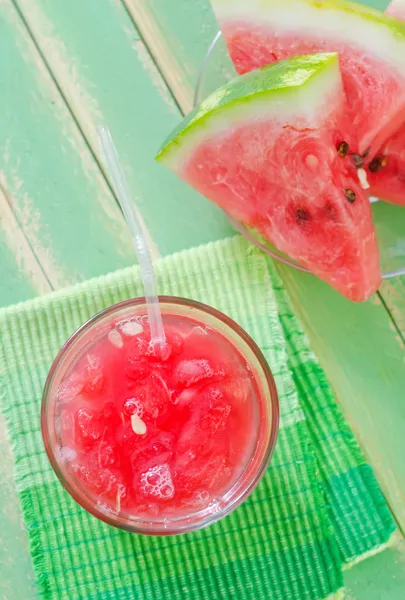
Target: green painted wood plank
x=394, y=298
x=380, y=577
x=107, y=75
x=58, y=194
x=364, y=358
x=21, y=277
x=16, y=575
x=14, y=285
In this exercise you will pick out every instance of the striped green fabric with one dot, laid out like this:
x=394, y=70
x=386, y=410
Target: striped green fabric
x=317, y=509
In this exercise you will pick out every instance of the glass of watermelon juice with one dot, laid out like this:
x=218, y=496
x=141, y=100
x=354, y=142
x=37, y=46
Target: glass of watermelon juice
x=160, y=443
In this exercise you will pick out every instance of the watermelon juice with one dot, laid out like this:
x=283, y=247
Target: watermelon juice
x=160, y=441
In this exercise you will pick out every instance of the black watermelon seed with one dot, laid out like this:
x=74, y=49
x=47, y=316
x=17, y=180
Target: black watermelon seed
x=343, y=149
x=350, y=196
x=377, y=164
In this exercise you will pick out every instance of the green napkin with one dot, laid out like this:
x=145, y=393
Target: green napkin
x=317, y=508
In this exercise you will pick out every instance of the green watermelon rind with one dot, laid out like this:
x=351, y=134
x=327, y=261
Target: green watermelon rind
x=237, y=100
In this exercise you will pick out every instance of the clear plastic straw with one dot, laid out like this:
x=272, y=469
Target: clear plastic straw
x=142, y=250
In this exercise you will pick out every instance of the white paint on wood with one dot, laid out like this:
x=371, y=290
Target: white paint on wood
x=16, y=241
x=36, y=248
x=150, y=67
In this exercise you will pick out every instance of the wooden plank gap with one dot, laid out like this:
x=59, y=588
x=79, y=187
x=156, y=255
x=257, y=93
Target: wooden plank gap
x=159, y=49
x=130, y=10
x=392, y=318
x=393, y=292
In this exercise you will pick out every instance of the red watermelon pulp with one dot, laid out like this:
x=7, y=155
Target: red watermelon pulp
x=371, y=49
x=271, y=148
x=387, y=170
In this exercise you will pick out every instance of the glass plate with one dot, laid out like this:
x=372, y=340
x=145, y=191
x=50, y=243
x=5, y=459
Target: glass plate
x=389, y=219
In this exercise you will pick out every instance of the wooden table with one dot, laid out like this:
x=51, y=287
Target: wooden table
x=68, y=66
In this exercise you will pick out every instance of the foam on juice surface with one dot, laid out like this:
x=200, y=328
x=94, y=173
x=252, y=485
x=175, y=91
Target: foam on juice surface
x=149, y=434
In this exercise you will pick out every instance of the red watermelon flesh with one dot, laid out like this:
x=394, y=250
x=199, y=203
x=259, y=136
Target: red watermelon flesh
x=277, y=169
x=371, y=48
x=293, y=198
x=386, y=173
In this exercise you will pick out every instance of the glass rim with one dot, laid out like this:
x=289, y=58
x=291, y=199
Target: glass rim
x=205, y=516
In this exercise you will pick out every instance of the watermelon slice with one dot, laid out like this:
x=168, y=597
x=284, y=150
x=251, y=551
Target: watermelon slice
x=371, y=48
x=386, y=172
x=270, y=148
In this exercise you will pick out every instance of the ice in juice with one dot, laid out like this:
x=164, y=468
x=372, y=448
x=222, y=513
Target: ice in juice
x=157, y=434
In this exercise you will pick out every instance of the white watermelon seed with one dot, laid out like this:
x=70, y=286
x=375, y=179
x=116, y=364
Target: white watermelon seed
x=138, y=426
x=115, y=338
x=363, y=179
